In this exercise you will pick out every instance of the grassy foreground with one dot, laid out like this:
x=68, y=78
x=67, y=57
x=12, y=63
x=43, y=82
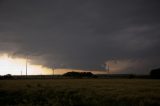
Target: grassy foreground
x=80, y=92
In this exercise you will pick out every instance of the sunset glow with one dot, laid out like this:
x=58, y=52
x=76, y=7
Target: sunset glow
x=17, y=66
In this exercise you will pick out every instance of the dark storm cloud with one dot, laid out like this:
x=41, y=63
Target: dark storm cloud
x=81, y=34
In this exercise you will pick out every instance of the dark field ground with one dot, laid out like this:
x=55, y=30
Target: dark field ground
x=80, y=92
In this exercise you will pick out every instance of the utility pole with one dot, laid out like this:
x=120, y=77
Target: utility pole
x=107, y=68
x=21, y=73
x=53, y=72
x=26, y=66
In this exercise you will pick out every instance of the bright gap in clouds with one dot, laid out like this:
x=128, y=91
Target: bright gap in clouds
x=15, y=66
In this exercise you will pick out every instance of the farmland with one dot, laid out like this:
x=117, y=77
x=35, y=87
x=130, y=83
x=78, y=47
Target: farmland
x=80, y=92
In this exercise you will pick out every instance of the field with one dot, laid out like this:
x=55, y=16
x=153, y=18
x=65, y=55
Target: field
x=80, y=92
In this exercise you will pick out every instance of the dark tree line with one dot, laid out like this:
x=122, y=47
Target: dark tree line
x=79, y=75
x=155, y=73
x=7, y=76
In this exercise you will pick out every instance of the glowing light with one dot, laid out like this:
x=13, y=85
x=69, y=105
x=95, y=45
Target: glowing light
x=15, y=66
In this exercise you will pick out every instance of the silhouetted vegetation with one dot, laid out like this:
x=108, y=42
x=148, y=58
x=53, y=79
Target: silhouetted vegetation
x=79, y=74
x=131, y=76
x=155, y=73
x=7, y=76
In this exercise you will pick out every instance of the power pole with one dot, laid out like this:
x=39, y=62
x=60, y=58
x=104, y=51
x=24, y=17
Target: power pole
x=53, y=72
x=107, y=68
x=21, y=72
x=26, y=66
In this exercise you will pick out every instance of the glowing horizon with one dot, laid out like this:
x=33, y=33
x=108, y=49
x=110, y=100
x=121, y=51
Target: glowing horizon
x=17, y=66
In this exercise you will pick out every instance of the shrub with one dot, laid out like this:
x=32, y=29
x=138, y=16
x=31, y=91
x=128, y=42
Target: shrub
x=131, y=76
x=8, y=76
x=155, y=73
x=79, y=74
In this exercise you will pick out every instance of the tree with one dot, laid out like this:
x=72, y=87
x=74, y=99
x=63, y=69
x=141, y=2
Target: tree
x=131, y=76
x=79, y=74
x=8, y=76
x=155, y=73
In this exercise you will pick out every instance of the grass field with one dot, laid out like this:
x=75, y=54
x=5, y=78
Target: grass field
x=80, y=92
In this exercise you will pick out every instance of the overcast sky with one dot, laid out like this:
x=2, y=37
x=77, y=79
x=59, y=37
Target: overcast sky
x=83, y=34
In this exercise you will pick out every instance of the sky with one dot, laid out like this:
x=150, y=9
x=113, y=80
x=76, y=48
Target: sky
x=83, y=34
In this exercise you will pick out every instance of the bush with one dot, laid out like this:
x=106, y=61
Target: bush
x=131, y=76
x=8, y=76
x=79, y=74
x=155, y=73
